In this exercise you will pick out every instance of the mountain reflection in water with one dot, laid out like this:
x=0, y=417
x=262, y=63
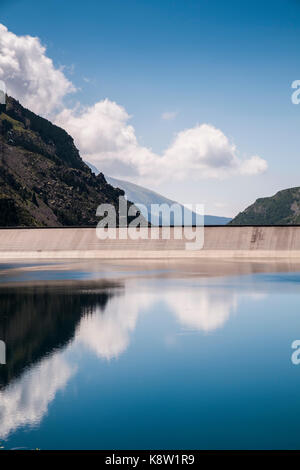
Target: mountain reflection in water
x=39, y=323
x=97, y=352
x=35, y=321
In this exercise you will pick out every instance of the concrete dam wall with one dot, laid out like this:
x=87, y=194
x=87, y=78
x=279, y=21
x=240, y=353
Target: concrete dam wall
x=218, y=242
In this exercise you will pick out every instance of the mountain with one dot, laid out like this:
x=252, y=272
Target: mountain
x=281, y=209
x=43, y=180
x=140, y=195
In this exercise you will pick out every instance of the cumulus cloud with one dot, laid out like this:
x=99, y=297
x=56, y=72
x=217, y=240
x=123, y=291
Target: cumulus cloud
x=253, y=166
x=103, y=132
x=169, y=115
x=30, y=75
x=107, y=140
x=202, y=151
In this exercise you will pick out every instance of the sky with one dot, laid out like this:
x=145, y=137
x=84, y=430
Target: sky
x=189, y=98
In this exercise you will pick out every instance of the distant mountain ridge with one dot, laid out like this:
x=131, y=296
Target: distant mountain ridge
x=140, y=195
x=281, y=209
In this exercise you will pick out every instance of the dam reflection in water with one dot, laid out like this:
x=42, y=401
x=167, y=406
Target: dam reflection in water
x=150, y=364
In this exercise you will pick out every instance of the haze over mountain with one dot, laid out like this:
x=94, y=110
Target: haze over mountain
x=140, y=195
x=43, y=180
x=281, y=209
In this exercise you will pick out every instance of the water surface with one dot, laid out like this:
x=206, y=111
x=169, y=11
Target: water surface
x=149, y=357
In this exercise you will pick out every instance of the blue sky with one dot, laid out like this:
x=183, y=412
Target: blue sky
x=227, y=64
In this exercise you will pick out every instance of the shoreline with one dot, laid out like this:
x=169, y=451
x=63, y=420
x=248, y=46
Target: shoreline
x=95, y=273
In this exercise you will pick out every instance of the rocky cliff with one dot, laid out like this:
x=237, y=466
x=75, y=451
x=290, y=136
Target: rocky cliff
x=43, y=180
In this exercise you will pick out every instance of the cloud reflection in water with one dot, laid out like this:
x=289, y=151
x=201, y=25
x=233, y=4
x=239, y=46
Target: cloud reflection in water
x=106, y=330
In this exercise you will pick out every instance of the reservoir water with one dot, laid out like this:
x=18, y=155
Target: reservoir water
x=123, y=356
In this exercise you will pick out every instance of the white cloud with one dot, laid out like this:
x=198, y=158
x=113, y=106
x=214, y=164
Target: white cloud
x=103, y=132
x=107, y=140
x=253, y=166
x=30, y=75
x=169, y=115
x=202, y=152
